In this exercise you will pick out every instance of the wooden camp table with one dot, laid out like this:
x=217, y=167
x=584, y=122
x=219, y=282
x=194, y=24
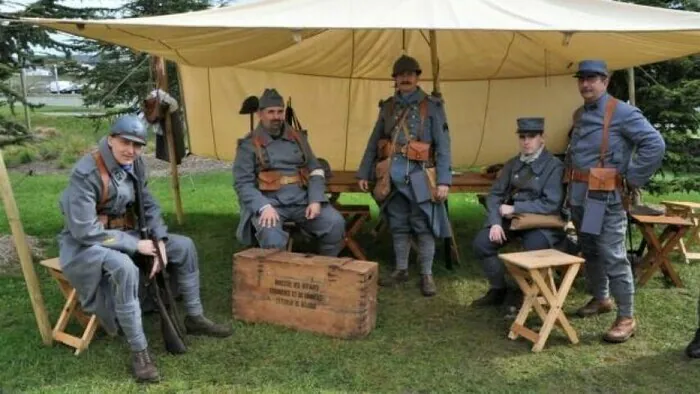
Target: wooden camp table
x=346, y=182
x=690, y=211
x=533, y=271
x=674, y=227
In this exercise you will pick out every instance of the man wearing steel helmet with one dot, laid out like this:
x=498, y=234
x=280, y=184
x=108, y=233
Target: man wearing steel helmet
x=599, y=167
x=410, y=135
x=99, y=242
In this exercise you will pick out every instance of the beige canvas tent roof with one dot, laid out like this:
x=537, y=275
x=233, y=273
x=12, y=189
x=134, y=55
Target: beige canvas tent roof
x=498, y=60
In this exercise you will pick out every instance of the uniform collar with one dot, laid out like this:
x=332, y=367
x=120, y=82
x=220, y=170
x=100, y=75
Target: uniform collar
x=538, y=165
x=266, y=138
x=600, y=103
x=413, y=98
x=113, y=167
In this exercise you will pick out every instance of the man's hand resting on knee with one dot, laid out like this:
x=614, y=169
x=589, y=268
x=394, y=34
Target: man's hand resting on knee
x=269, y=217
x=496, y=234
x=313, y=210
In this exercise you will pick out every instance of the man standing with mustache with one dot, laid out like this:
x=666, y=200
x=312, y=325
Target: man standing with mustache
x=411, y=135
x=278, y=178
x=599, y=163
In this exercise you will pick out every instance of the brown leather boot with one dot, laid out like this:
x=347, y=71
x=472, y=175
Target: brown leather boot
x=427, y=286
x=396, y=277
x=621, y=330
x=143, y=367
x=595, y=307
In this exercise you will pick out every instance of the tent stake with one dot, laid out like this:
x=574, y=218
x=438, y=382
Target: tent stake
x=162, y=78
x=25, y=258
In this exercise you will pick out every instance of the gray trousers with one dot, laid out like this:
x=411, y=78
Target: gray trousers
x=123, y=277
x=328, y=227
x=405, y=217
x=487, y=252
x=607, y=266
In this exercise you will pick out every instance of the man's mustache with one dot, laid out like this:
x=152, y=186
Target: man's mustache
x=405, y=83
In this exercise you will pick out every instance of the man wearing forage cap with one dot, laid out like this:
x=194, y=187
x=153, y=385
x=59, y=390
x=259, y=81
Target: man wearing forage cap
x=600, y=171
x=530, y=183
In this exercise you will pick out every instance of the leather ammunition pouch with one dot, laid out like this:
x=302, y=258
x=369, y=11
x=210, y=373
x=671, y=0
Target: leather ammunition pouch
x=604, y=179
x=122, y=222
x=384, y=149
x=598, y=178
x=418, y=151
x=382, y=185
x=527, y=221
x=270, y=181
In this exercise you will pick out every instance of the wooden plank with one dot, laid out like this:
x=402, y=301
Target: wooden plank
x=67, y=339
x=674, y=220
x=525, y=332
x=25, y=257
x=683, y=204
x=540, y=259
x=467, y=182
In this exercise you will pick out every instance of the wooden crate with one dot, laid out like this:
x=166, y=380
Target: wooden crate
x=327, y=295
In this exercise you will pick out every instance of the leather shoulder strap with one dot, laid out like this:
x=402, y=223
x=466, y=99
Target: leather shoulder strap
x=258, y=146
x=609, y=111
x=104, y=175
x=296, y=136
x=423, y=110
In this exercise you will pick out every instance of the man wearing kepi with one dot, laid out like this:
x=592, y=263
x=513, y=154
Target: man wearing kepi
x=278, y=178
x=600, y=171
x=99, y=242
x=408, y=158
x=529, y=190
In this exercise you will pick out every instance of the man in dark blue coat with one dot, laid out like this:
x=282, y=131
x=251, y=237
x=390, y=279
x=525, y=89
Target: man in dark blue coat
x=530, y=183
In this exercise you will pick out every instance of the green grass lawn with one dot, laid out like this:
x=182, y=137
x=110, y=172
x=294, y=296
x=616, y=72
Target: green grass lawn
x=440, y=344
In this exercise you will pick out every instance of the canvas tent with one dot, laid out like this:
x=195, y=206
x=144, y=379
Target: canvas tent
x=498, y=60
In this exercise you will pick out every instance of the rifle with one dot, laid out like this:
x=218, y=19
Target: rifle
x=159, y=286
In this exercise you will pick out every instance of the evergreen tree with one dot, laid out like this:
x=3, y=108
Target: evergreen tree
x=669, y=95
x=121, y=75
x=16, y=51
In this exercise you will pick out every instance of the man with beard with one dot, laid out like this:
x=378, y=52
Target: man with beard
x=410, y=144
x=599, y=167
x=530, y=183
x=277, y=179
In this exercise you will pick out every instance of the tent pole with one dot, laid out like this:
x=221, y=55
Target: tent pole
x=435, y=62
x=25, y=257
x=630, y=86
x=162, y=78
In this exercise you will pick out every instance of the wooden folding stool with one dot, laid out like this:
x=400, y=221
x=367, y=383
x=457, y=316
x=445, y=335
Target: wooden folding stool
x=674, y=228
x=70, y=309
x=533, y=271
x=690, y=211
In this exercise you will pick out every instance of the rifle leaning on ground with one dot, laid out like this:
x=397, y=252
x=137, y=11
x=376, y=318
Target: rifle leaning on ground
x=159, y=287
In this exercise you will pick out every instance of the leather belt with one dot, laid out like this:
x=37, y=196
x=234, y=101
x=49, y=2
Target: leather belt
x=125, y=222
x=576, y=175
x=289, y=180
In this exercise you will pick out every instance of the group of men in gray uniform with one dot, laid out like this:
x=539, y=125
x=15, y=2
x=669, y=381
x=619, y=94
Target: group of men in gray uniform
x=593, y=184
x=278, y=179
